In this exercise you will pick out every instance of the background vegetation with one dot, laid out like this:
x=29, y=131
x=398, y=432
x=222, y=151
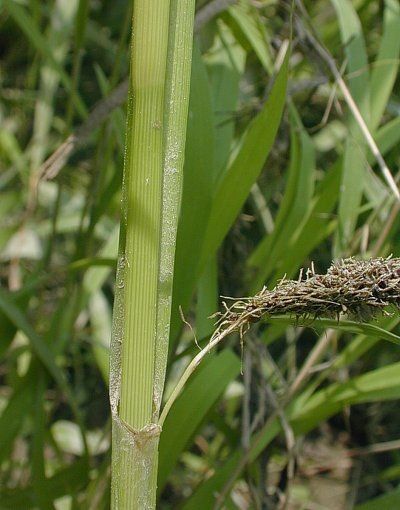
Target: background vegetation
x=312, y=422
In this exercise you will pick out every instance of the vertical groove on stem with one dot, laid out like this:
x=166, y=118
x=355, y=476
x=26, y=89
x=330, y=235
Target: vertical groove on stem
x=176, y=109
x=143, y=195
x=156, y=131
x=135, y=442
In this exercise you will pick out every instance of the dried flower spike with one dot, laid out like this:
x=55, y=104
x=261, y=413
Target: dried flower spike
x=358, y=288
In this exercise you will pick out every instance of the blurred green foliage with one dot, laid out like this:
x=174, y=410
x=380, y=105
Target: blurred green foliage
x=259, y=203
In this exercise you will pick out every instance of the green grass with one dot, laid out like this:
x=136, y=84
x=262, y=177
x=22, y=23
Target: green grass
x=256, y=102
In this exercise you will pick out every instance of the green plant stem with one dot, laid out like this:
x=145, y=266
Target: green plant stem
x=190, y=369
x=157, y=115
x=143, y=175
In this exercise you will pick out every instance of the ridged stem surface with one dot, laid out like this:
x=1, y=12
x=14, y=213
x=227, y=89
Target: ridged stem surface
x=156, y=131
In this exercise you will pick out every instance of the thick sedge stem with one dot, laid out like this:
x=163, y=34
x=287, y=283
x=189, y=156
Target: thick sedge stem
x=156, y=131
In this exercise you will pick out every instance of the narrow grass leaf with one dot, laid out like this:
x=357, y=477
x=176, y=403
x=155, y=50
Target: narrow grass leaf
x=207, y=299
x=96, y=276
x=367, y=329
x=191, y=408
x=295, y=206
x=11, y=310
x=377, y=385
x=42, y=497
x=388, y=136
x=361, y=344
x=225, y=66
x=40, y=348
x=14, y=414
x=246, y=166
x=34, y=35
x=247, y=19
x=354, y=159
x=356, y=53
x=387, y=501
x=351, y=191
x=101, y=319
x=317, y=226
x=66, y=482
x=386, y=65
x=260, y=256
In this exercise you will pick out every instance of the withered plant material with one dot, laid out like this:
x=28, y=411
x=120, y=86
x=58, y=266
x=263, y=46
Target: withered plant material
x=358, y=288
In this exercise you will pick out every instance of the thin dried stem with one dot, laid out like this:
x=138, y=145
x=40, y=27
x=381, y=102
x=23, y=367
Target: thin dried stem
x=330, y=62
x=313, y=358
x=386, y=229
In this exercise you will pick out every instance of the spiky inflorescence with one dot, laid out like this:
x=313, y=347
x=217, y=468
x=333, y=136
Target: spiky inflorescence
x=359, y=288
